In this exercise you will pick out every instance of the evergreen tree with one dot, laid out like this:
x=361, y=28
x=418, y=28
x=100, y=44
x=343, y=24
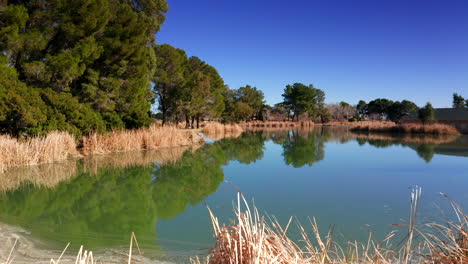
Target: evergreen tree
x=459, y=101
x=93, y=54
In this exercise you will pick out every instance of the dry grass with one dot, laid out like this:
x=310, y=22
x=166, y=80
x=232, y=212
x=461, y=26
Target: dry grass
x=275, y=124
x=409, y=138
x=434, y=129
x=218, y=131
x=255, y=239
x=154, y=137
x=55, y=146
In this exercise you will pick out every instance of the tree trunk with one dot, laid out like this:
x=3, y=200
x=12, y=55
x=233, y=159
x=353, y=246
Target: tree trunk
x=187, y=121
x=198, y=121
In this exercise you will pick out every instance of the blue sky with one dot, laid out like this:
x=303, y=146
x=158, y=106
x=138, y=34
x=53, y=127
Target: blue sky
x=351, y=49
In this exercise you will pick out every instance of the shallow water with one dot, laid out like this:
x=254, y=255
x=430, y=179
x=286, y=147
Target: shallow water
x=356, y=182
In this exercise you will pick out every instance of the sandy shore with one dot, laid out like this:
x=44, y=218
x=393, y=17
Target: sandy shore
x=26, y=251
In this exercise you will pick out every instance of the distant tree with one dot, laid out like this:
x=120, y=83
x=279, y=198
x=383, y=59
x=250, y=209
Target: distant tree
x=341, y=111
x=398, y=110
x=459, y=101
x=168, y=78
x=280, y=111
x=253, y=97
x=379, y=107
x=427, y=114
x=202, y=94
x=245, y=103
x=302, y=99
x=361, y=110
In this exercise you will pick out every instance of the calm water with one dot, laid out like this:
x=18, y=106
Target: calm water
x=358, y=183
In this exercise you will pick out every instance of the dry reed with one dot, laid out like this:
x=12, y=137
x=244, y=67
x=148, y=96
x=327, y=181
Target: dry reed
x=214, y=130
x=255, y=239
x=435, y=129
x=55, y=146
x=275, y=124
x=409, y=138
x=154, y=137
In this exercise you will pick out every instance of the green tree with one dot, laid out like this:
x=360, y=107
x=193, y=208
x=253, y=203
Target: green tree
x=302, y=99
x=379, y=107
x=169, y=78
x=427, y=114
x=398, y=110
x=459, y=101
x=361, y=110
x=202, y=94
x=253, y=97
x=95, y=53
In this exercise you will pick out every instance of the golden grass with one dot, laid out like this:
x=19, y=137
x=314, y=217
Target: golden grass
x=55, y=146
x=154, y=137
x=216, y=131
x=274, y=124
x=255, y=239
x=435, y=129
x=409, y=138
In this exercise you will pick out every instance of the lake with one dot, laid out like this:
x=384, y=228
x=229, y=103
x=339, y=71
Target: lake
x=358, y=183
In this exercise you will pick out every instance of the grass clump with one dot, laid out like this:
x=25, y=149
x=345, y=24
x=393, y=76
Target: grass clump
x=215, y=130
x=252, y=238
x=55, y=146
x=154, y=137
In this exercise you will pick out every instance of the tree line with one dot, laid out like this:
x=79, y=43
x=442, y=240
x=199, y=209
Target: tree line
x=93, y=65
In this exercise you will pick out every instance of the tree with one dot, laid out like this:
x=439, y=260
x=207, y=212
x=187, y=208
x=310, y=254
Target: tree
x=168, y=78
x=361, y=110
x=302, y=99
x=379, y=107
x=427, y=114
x=202, y=94
x=459, y=101
x=341, y=111
x=95, y=53
x=253, y=97
x=398, y=110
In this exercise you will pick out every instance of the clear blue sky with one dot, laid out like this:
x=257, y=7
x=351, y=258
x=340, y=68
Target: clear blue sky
x=351, y=49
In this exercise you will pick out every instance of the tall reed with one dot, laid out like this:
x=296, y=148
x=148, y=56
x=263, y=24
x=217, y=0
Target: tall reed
x=256, y=239
x=434, y=129
x=55, y=146
x=154, y=137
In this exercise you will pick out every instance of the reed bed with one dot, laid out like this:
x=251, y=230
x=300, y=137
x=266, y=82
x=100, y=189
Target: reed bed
x=274, y=124
x=55, y=146
x=409, y=138
x=154, y=137
x=216, y=131
x=252, y=238
x=434, y=129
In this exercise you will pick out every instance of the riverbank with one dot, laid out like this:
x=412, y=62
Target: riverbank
x=60, y=146
x=389, y=127
x=17, y=248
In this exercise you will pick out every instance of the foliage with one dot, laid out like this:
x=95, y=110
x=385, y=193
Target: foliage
x=427, y=114
x=459, y=101
x=169, y=78
x=245, y=103
x=341, y=112
x=301, y=99
x=386, y=109
x=86, y=64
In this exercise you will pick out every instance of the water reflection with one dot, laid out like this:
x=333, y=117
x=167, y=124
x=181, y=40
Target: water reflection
x=100, y=201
